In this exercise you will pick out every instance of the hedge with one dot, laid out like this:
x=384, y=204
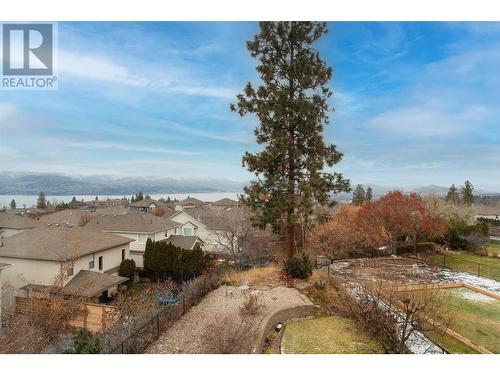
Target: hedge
x=166, y=259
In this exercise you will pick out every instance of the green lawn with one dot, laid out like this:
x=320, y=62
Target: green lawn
x=488, y=267
x=493, y=249
x=327, y=335
x=473, y=315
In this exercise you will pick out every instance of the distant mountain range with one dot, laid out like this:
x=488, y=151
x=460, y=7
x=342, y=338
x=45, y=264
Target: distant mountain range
x=26, y=183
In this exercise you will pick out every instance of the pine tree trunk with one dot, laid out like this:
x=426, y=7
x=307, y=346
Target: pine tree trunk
x=290, y=232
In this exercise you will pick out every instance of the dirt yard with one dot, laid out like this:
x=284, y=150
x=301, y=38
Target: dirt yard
x=189, y=334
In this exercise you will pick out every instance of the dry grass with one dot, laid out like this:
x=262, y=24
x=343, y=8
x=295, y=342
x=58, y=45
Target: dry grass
x=270, y=276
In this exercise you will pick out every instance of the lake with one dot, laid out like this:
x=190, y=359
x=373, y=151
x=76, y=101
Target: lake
x=30, y=200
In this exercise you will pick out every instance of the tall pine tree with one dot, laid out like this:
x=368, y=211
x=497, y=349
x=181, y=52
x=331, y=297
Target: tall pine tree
x=452, y=195
x=468, y=193
x=369, y=194
x=292, y=107
x=358, y=196
x=41, y=201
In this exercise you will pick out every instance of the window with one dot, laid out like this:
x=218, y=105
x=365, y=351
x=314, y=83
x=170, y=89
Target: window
x=100, y=263
x=123, y=254
x=91, y=261
x=69, y=272
x=142, y=238
x=188, y=231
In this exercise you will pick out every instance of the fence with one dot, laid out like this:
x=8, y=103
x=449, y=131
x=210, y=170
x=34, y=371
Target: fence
x=458, y=263
x=94, y=318
x=128, y=338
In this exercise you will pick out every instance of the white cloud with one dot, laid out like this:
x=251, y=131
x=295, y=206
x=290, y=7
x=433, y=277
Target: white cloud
x=105, y=69
x=422, y=121
x=98, y=68
x=132, y=148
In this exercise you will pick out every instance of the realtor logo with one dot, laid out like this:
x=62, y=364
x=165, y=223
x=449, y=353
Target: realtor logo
x=28, y=56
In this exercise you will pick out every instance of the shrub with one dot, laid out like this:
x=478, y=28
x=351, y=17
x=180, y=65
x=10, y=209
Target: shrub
x=86, y=343
x=252, y=306
x=299, y=267
x=127, y=269
x=229, y=335
x=320, y=284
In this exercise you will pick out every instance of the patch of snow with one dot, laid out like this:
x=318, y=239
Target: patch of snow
x=474, y=296
x=468, y=278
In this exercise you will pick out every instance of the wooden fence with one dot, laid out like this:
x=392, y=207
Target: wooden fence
x=94, y=318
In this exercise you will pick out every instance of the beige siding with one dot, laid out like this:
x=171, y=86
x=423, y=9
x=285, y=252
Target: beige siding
x=30, y=271
x=206, y=235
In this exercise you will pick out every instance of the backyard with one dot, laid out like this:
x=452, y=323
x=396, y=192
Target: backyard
x=472, y=315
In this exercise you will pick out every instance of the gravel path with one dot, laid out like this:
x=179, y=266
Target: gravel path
x=186, y=335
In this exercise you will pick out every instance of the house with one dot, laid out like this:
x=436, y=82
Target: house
x=11, y=224
x=43, y=255
x=184, y=242
x=488, y=212
x=146, y=205
x=225, y=202
x=217, y=227
x=189, y=202
x=137, y=227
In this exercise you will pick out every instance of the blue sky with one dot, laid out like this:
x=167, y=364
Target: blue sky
x=415, y=103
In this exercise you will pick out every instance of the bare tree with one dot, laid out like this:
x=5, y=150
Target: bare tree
x=48, y=319
x=391, y=315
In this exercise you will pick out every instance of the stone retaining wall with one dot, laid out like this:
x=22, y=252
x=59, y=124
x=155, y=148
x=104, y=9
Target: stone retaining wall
x=280, y=315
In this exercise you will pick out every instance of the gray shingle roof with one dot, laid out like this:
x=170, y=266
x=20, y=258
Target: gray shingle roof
x=12, y=221
x=218, y=218
x=90, y=283
x=145, y=203
x=184, y=242
x=59, y=243
x=225, y=202
x=190, y=201
x=133, y=223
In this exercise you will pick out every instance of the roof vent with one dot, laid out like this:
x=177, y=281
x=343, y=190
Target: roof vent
x=57, y=224
x=49, y=224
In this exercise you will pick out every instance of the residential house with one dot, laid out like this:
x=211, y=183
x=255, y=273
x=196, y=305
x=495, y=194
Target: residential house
x=11, y=224
x=217, y=227
x=146, y=205
x=189, y=202
x=137, y=227
x=225, y=202
x=41, y=256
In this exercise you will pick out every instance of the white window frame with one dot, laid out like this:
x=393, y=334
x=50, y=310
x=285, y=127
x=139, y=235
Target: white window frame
x=190, y=231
